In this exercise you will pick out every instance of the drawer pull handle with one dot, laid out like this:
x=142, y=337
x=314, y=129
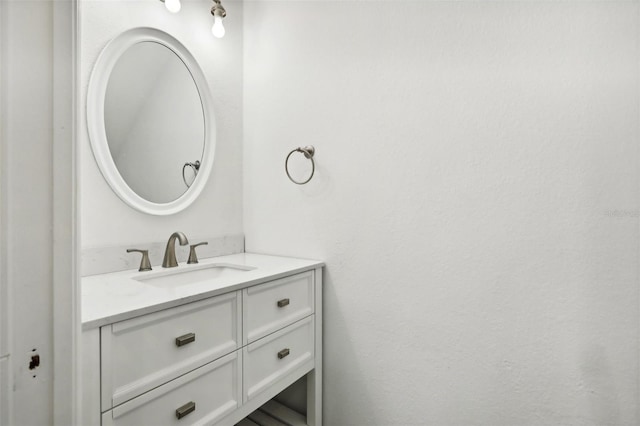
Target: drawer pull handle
x=187, y=338
x=187, y=408
x=282, y=303
x=283, y=353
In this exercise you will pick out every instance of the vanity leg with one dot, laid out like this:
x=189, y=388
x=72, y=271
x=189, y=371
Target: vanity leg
x=90, y=370
x=314, y=378
x=314, y=398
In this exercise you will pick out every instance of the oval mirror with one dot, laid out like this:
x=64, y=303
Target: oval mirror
x=150, y=121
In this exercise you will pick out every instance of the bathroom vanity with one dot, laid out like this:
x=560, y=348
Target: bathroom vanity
x=204, y=344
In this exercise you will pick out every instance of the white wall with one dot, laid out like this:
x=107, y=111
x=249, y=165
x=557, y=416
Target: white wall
x=106, y=220
x=4, y=283
x=26, y=210
x=476, y=201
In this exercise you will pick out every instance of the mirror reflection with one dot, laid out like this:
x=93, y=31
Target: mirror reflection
x=154, y=122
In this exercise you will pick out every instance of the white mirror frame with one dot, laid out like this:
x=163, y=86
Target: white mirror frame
x=96, y=124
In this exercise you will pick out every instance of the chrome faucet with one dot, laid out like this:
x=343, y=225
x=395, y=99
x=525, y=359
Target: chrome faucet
x=170, y=252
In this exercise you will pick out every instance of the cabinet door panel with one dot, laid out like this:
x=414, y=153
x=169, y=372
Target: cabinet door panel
x=200, y=397
x=143, y=353
x=274, y=357
x=271, y=306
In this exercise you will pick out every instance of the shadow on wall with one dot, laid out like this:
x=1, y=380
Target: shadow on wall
x=341, y=366
x=600, y=387
x=321, y=183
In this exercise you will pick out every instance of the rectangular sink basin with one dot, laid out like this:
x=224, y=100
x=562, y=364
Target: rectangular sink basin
x=176, y=277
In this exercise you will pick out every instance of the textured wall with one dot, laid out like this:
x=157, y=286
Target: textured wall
x=106, y=220
x=26, y=208
x=476, y=201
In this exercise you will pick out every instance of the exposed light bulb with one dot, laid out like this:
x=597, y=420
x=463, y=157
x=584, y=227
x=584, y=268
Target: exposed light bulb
x=172, y=6
x=217, y=29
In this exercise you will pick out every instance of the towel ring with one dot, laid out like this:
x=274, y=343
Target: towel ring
x=195, y=166
x=308, y=152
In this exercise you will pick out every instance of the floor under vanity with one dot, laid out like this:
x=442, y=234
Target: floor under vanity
x=206, y=344
x=273, y=413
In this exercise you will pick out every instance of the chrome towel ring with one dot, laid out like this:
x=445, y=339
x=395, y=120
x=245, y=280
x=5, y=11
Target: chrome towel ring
x=194, y=166
x=308, y=152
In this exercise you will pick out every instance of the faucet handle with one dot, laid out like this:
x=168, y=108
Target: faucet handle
x=193, y=258
x=145, y=265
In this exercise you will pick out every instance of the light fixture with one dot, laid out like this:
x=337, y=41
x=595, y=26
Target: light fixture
x=218, y=13
x=172, y=6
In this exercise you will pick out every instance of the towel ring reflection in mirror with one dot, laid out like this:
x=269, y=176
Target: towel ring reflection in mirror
x=308, y=152
x=195, y=167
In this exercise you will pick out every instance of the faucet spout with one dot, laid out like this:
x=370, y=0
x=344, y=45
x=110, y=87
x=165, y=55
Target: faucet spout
x=170, y=260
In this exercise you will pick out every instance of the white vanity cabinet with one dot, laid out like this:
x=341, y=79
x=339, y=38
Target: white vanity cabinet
x=202, y=396
x=142, y=353
x=207, y=362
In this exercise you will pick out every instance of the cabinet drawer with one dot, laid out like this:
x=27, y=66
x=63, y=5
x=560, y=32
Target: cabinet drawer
x=201, y=397
x=269, y=307
x=274, y=357
x=143, y=353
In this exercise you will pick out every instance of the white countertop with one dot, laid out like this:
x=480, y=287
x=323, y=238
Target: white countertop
x=117, y=296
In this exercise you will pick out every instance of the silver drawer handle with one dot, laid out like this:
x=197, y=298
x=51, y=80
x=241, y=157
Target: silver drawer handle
x=187, y=338
x=282, y=303
x=283, y=353
x=187, y=408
